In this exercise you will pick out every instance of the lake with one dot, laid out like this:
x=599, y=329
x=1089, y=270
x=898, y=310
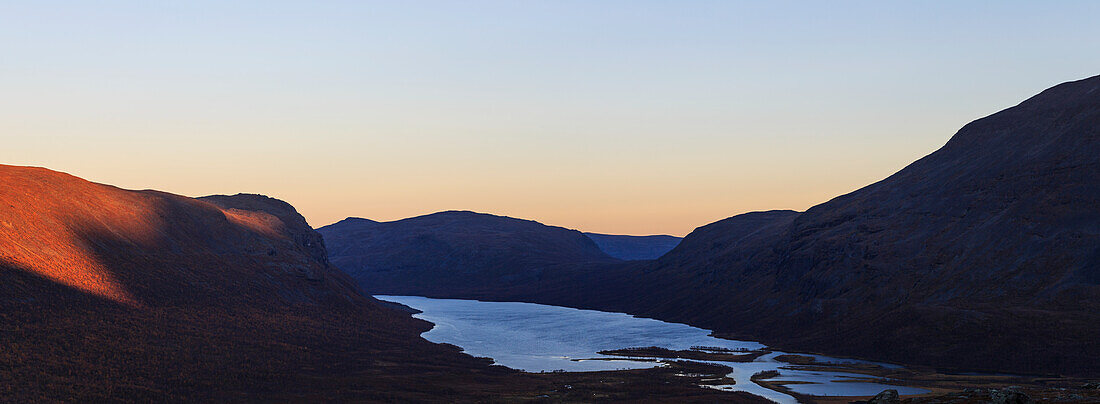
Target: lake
x=543, y=338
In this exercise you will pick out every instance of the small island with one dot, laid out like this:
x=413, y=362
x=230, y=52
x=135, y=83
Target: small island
x=695, y=353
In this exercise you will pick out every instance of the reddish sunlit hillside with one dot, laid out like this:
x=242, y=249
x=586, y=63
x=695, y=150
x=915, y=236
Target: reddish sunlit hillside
x=77, y=233
x=142, y=296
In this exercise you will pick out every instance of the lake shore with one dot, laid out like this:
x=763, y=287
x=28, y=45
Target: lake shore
x=943, y=387
x=614, y=356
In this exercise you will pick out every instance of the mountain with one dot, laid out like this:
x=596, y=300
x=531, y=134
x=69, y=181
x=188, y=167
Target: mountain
x=982, y=255
x=454, y=253
x=634, y=248
x=109, y=294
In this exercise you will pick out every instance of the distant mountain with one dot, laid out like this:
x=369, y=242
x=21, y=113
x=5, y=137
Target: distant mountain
x=454, y=253
x=633, y=248
x=115, y=295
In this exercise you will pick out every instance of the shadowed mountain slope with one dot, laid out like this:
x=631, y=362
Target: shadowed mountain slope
x=634, y=248
x=983, y=255
x=450, y=254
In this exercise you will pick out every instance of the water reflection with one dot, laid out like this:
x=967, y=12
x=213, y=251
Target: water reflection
x=542, y=338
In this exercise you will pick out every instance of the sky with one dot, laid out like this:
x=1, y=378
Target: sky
x=630, y=117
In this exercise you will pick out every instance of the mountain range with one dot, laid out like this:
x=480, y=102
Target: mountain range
x=984, y=255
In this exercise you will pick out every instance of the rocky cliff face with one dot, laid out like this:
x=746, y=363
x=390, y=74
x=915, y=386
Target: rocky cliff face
x=293, y=225
x=454, y=254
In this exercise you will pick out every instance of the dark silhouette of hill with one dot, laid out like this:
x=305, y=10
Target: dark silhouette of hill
x=982, y=255
x=634, y=248
x=453, y=253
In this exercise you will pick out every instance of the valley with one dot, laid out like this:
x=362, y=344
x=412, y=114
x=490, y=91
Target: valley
x=545, y=202
x=993, y=237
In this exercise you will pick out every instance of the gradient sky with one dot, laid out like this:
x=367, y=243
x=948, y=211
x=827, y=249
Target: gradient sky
x=635, y=117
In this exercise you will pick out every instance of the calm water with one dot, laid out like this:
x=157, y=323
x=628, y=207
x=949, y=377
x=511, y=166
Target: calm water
x=539, y=338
